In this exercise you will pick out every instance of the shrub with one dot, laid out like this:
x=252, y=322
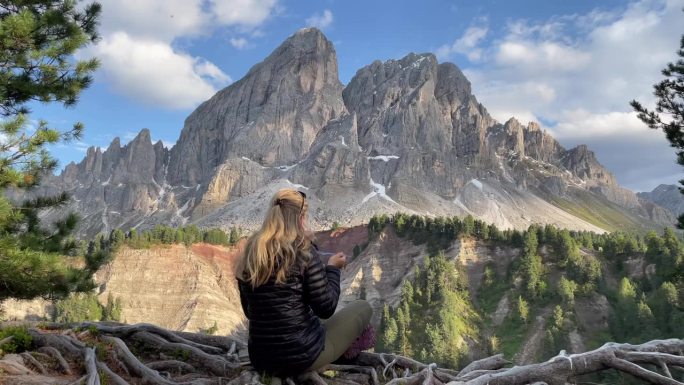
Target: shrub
x=22, y=339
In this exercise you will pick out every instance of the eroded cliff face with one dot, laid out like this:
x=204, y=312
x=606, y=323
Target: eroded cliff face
x=404, y=135
x=176, y=287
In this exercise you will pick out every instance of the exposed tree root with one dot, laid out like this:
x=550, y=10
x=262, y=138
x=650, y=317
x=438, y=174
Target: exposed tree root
x=171, y=366
x=57, y=356
x=145, y=354
x=216, y=364
x=112, y=377
x=89, y=361
x=31, y=362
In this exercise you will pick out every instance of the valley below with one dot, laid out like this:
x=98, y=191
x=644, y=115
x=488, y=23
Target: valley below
x=193, y=288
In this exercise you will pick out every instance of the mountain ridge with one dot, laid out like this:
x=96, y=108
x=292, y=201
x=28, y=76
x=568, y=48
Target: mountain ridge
x=403, y=135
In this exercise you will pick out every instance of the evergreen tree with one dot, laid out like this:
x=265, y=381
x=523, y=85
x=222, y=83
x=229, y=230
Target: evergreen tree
x=532, y=268
x=78, y=307
x=234, y=236
x=362, y=292
x=389, y=330
x=116, y=237
x=400, y=224
x=668, y=313
x=558, y=317
x=403, y=345
x=216, y=237
x=488, y=276
x=37, y=41
x=668, y=115
x=112, y=309
x=168, y=235
x=494, y=233
x=468, y=225
x=566, y=290
x=407, y=293
x=624, y=323
x=566, y=247
x=523, y=309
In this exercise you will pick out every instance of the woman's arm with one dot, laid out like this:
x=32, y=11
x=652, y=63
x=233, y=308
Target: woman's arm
x=243, y=296
x=321, y=287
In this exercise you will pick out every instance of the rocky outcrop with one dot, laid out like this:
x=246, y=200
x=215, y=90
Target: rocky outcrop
x=336, y=163
x=667, y=196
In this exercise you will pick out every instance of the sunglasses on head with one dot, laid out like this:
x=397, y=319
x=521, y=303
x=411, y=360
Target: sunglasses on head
x=303, y=195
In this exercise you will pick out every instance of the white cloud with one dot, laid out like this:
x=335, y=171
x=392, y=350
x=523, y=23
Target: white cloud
x=80, y=146
x=210, y=72
x=77, y=145
x=466, y=44
x=248, y=13
x=139, y=53
x=239, y=43
x=151, y=71
x=580, y=72
x=533, y=56
x=580, y=124
x=320, y=20
x=157, y=19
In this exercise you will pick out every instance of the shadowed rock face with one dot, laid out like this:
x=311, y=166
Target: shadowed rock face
x=404, y=135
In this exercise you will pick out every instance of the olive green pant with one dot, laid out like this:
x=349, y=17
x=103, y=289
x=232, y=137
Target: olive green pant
x=343, y=328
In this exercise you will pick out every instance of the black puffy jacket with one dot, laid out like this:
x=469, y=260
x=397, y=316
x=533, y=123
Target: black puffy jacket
x=285, y=333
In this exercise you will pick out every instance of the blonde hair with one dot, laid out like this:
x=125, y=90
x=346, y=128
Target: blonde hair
x=283, y=238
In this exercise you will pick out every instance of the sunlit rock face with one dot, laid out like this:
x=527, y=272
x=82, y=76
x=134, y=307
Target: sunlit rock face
x=404, y=135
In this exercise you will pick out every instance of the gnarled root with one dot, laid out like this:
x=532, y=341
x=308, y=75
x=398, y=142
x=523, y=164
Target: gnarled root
x=146, y=354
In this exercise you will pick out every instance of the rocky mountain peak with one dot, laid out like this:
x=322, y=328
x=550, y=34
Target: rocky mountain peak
x=452, y=83
x=115, y=144
x=270, y=116
x=666, y=195
x=513, y=125
x=309, y=39
x=582, y=162
x=414, y=103
x=143, y=136
x=533, y=126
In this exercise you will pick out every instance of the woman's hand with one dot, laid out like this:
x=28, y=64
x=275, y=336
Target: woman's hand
x=338, y=260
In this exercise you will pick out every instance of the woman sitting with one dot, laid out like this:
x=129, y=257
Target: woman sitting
x=289, y=295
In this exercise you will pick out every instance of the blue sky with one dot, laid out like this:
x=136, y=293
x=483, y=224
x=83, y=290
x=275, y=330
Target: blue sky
x=571, y=65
